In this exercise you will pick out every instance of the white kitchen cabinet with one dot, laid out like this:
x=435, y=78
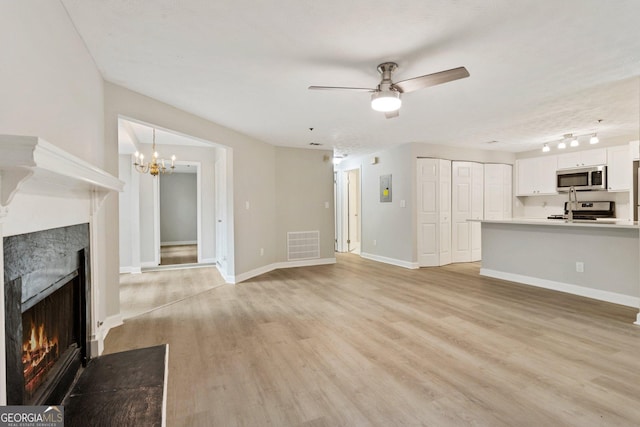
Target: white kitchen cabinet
x=536, y=176
x=576, y=159
x=467, y=202
x=498, y=193
x=619, y=173
x=434, y=212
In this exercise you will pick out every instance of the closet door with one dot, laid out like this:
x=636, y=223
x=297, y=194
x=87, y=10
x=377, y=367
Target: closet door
x=467, y=203
x=498, y=193
x=445, y=212
x=428, y=214
x=434, y=212
x=477, y=209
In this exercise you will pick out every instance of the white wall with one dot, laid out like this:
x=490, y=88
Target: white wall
x=178, y=208
x=52, y=89
x=124, y=201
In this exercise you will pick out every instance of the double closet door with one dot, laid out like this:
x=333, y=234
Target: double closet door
x=449, y=194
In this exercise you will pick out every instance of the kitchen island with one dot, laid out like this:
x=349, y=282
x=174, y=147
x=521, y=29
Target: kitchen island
x=595, y=259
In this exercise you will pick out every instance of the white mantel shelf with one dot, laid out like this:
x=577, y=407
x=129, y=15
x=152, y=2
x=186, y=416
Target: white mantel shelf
x=32, y=165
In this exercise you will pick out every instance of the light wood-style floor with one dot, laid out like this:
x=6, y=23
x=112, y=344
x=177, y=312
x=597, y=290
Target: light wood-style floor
x=361, y=343
x=141, y=293
x=178, y=254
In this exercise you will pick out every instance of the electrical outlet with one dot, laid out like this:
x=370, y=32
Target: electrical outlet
x=375, y=242
x=580, y=267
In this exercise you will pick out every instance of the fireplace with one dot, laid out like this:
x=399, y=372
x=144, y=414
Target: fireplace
x=46, y=315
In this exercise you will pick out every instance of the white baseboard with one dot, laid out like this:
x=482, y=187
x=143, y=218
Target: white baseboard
x=637, y=322
x=392, y=261
x=130, y=270
x=287, y=264
x=583, y=291
x=208, y=261
x=179, y=243
x=148, y=264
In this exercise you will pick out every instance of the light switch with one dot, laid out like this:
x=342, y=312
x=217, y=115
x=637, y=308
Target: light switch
x=403, y=204
x=326, y=205
x=246, y=205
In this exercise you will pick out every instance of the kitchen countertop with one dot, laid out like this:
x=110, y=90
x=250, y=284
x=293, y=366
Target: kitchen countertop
x=605, y=223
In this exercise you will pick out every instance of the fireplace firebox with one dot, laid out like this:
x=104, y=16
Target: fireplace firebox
x=46, y=313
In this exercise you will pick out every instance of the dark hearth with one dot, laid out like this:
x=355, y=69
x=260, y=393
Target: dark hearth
x=46, y=315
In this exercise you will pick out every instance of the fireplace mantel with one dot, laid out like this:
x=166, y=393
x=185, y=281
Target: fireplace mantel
x=31, y=165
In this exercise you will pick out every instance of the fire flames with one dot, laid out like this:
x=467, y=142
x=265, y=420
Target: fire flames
x=39, y=353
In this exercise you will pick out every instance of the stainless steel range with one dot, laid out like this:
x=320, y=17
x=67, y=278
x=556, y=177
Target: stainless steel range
x=588, y=210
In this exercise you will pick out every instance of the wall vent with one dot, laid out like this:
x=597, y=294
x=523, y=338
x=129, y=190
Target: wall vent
x=303, y=245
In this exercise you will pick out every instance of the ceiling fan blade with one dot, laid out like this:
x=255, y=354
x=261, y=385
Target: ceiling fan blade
x=357, y=89
x=392, y=114
x=422, y=82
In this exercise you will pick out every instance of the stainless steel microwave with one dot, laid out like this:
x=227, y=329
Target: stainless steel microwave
x=582, y=179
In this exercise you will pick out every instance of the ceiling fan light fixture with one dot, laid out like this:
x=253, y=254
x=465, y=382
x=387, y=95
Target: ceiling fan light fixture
x=386, y=101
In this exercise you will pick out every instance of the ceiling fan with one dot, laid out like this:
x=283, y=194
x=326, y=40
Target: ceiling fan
x=386, y=96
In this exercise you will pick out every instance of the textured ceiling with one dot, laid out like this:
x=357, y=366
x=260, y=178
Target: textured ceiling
x=539, y=69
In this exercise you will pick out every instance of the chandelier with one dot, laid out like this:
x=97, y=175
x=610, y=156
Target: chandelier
x=155, y=166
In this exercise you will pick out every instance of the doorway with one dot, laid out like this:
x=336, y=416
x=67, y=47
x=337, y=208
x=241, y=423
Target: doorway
x=179, y=215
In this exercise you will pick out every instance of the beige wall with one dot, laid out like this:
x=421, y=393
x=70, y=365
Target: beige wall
x=304, y=187
x=264, y=181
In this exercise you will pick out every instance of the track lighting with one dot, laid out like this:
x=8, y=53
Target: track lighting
x=545, y=148
x=594, y=139
x=574, y=142
x=562, y=145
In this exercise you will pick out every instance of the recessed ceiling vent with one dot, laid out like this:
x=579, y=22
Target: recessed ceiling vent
x=315, y=144
x=303, y=245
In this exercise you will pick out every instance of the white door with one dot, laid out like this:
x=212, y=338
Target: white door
x=445, y=212
x=467, y=203
x=353, y=208
x=461, y=184
x=493, y=191
x=507, y=191
x=221, y=209
x=477, y=209
x=428, y=213
x=434, y=212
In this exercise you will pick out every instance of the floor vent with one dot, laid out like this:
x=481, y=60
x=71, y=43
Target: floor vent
x=303, y=245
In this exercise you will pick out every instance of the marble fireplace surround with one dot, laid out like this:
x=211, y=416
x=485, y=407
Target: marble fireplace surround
x=31, y=166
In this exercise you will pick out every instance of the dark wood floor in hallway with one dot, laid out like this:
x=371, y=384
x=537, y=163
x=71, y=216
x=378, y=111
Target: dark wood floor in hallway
x=361, y=343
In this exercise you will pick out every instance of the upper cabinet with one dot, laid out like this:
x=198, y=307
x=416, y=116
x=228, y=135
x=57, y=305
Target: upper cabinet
x=576, y=159
x=536, y=176
x=619, y=168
